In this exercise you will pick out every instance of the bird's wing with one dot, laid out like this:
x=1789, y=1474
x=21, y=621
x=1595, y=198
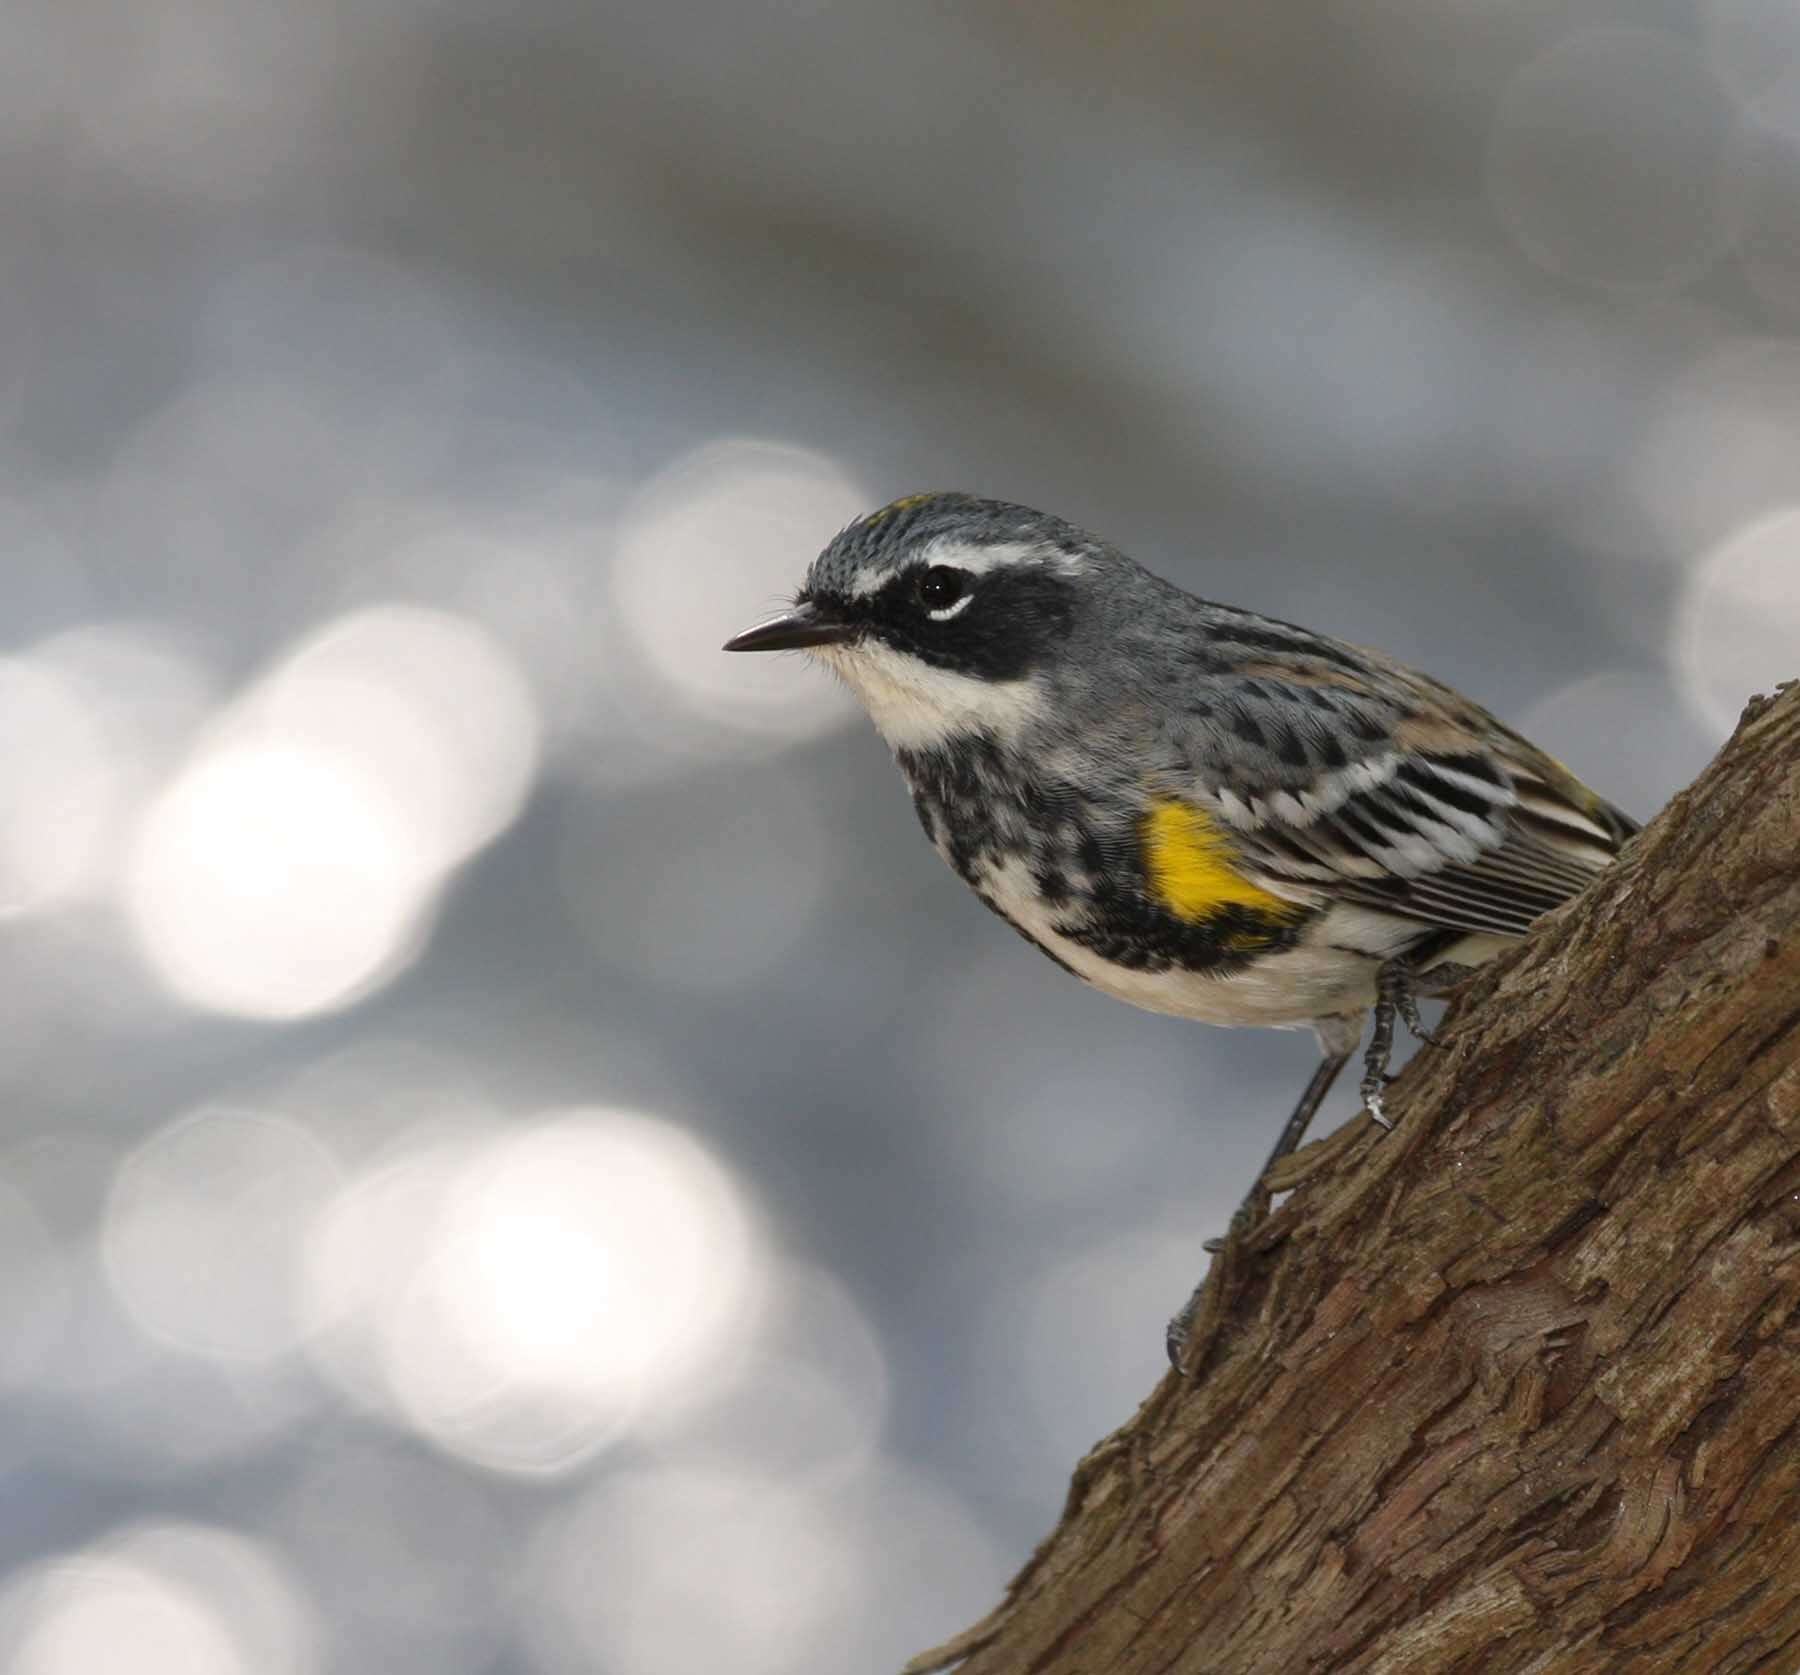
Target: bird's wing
x=1406, y=799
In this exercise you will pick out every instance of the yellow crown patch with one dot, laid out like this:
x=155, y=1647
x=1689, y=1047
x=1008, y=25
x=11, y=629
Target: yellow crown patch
x=895, y=507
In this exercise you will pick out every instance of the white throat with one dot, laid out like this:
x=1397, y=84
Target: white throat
x=915, y=706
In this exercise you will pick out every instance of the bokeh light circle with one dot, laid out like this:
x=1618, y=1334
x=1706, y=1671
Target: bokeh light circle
x=58, y=786
x=269, y=882
x=1738, y=628
x=423, y=700
x=290, y=866
x=160, y=1599
x=519, y=1296
x=206, y=1225
x=719, y=540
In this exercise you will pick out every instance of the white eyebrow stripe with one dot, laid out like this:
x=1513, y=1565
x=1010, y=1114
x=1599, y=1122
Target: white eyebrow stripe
x=975, y=560
x=995, y=555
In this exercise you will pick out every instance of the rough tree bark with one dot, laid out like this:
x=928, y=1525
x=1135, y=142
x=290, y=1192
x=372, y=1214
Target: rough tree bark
x=1516, y=1388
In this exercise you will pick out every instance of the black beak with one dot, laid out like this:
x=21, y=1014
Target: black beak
x=805, y=625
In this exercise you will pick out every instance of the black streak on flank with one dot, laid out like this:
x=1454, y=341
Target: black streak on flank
x=1094, y=883
x=927, y=815
x=1142, y=937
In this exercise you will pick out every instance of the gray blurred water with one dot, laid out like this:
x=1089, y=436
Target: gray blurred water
x=516, y=1157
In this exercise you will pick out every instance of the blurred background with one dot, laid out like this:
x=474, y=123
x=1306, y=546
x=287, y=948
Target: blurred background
x=516, y=1157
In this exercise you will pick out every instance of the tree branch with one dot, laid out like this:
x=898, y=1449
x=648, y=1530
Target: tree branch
x=1516, y=1388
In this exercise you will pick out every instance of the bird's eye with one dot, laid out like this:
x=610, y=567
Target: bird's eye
x=941, y=586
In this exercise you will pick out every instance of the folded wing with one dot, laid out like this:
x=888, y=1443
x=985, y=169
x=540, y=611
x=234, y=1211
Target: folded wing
x=1453, y=821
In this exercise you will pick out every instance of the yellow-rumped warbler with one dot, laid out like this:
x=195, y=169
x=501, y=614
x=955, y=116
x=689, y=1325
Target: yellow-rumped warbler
x=1199, y=810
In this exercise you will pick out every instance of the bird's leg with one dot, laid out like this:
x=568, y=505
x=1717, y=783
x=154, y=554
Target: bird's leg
x=1381, y=1046
x=1293, y=1131
x=1406, y=999
x=1394, y=996
x=1256, y=1201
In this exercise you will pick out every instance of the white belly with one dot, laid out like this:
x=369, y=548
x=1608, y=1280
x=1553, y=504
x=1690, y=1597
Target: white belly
x=1285, y=990
x=1281, y=991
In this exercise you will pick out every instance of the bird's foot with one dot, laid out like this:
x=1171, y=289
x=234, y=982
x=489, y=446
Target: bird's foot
x=1407, y=1004
x=1185, y=1327
x=1197, y=1320
x=1381, y=1042
x=1394, y=997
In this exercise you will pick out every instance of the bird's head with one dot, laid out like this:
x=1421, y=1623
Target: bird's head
x=944, y=613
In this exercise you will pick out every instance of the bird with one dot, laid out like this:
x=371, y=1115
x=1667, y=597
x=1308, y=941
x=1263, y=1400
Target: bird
x=1197, y=809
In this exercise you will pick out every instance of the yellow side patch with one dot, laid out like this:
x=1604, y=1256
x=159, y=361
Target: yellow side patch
x=1189, y=862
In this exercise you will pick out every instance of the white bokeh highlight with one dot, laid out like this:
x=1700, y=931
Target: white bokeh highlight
x=719, y=540
x=159, y=1599
x=520, y=1296
x=60, y=780
x=424, y=701
x=206, y=1226
x=268, y=883
x=291, y=865
x=1737, y=631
